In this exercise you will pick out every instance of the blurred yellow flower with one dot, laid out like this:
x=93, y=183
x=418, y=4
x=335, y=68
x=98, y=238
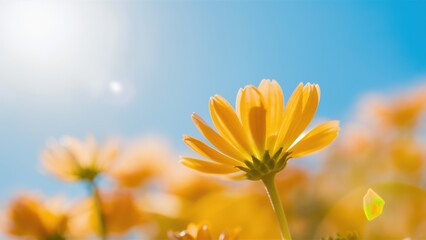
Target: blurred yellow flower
x=402, y=218
x=190, y=186
x=403, y=112
x=75, y=160
x=202, y=232
x=407, y=155
x=121, y=212
x=141, y=161
x=30, y=218
x=239, y=206
x=259, y=137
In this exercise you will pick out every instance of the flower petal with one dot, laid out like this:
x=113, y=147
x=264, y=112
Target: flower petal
x=292, y=110
x=208, y=152
x=310, y=98
x=203, y=233
x=218, y=141
x=227, y=122
x=274, y=102
x=59, y=162
x=207, y=167
x=316, y=139
x=253, y=118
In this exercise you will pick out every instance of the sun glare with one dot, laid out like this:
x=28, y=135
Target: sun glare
x=38, y=32
x=116, y=87
x=53, y=47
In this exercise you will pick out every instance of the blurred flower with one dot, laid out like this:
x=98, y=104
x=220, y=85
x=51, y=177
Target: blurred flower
x=201, y=232
x=74, y=160
x=403, y=112
x=226, y=209
x=361, y=156
x=190, y=186
x=261, y=135
x=404, y=213
x=239, y=206
x=30, y=218
x=141, y=161
x=407, y=155
x=120, y=211
x=368, y=150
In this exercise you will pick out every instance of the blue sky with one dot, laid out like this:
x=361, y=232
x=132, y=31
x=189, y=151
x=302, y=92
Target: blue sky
x=58, y=62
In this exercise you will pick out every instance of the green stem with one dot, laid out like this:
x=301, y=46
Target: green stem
x=97, y=200
x=271, y=189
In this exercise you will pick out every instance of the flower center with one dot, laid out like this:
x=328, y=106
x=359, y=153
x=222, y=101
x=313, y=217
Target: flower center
x=258, y=169
x=88, y=174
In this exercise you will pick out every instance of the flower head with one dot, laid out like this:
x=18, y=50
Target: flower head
x=74, y=160
x=261, y=134
x=140, y=162
x=202, y=232
x=403, y=112
x=120, y=210
x=30, y=218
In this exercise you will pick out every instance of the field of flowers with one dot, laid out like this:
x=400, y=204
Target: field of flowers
x=243, y=180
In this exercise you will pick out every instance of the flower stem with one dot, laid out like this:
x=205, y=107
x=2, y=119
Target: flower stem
x=271, y=189
x=97, y=201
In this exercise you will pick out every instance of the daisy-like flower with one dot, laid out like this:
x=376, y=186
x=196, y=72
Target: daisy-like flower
x=261, y=134
x=405, y=111
x=30, y=218
x=140, y=162
x=121, y=213
x=202, y=232
x=256, y=140
x=73, y=160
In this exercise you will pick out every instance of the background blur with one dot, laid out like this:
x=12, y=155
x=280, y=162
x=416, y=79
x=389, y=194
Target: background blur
x=136, y=68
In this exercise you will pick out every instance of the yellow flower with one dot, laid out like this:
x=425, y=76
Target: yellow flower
x=74, y=160
x=194, y=187
x=407, y=155
x=201, y=232
x=120, y=211
x=239, y=206
x=261, y=134
x=30, y=218
x=141, y=161
x=403, y=112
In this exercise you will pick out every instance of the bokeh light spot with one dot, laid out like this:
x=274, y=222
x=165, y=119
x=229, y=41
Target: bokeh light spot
x=373, y=204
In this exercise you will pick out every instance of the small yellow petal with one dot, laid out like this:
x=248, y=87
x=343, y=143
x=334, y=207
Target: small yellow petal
x=181, y=236
x=218, y=141
x=316, y=139
x=292, y=109
x=238, y=102
x=57, y=161
x=203, y=233
x=228, y=124
x=207, y=167
x=274, y=102
x=310, y=100
x=208, y=152
x=253, y=118
x=192, y=229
